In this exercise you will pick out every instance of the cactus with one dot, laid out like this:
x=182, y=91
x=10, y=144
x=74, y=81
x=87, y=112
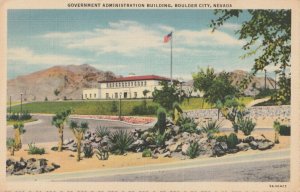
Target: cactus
x=177, y=111
x=101, y=153
x=276, y=126
x=11, y=146
x=161, y=120
x=232, y=141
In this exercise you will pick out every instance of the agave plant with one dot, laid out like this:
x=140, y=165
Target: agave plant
x=11, y=146
x=102, y=131
x=19, y=130
x=78, y=131
x=211, y=127
x=120, y=141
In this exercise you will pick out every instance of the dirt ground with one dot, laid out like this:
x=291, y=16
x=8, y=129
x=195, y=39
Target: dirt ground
x=68, y=163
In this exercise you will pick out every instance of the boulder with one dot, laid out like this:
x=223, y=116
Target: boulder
x=248, y=139
x=68, y=141
x=243, y=146
x=97, y=139
x=253, y=145
x=55, y=165
x=10, y=162
x=87, y=135
x=10, y=169
x=167, y=154
x=175, y=147
x=54, y=148
x=49, y=168
x=218, y=149
x=184, y=148
x=265, y=145
x=185, y=135
x=154, y=156
x=105, y=140
x=20, y=172
x=176, y=129
x=233, y=150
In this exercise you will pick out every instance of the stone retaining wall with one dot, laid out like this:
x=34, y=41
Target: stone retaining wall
x=283, y=111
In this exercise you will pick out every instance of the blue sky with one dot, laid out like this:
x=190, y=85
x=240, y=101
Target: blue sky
x=122, y=41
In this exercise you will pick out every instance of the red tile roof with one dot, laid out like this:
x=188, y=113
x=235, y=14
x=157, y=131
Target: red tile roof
x=138, y=78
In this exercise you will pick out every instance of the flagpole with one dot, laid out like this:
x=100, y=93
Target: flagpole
x=171, y=70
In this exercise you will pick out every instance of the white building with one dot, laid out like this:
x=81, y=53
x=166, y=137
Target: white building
x=125, y=87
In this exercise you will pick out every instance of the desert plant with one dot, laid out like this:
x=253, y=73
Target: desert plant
x=246, y=125
x=11, y=146
x=159, y=139
x=232, y=141
x=19, y=130
x=187, y=124
x=32, y=149
x=78, y=132
x=221, y=138
x=193, y=150
x=161, y=120
x=102, y=131
x=101, y=153
x=147, y=153
x=177, y=111
x=285, y=130
x=59, y=121
x=276, y=126
x=88, y=151
x=211, y=127
x=120, y=141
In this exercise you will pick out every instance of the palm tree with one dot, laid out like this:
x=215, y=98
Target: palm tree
x=19, y=130
x=58, y=121
x=78, y=132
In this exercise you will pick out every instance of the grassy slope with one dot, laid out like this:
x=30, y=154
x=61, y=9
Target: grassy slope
x=103, y=107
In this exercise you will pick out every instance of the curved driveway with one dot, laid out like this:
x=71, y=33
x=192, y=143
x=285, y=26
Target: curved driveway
x=43, y=131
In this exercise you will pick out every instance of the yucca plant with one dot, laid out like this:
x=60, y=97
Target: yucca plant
x=193, y=150
x=120, y=141
x=102, y=131
x=276, y=126
x=160, y=139
x=78, y=131
x=19, y=130
x=59, y=121
x=11, y=146
x=102, y=153
x=187, y=124
x=88, y=151
x=211, y=127
x=177, y=111
x=246, y=125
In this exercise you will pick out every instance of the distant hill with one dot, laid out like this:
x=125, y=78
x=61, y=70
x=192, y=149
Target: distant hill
x=68, y=81
x=238, y=75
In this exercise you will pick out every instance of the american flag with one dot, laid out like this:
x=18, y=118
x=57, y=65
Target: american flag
x=167, y=37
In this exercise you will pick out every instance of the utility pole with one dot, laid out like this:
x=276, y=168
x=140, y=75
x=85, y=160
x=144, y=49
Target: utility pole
x=120, y=107
x=10, y=104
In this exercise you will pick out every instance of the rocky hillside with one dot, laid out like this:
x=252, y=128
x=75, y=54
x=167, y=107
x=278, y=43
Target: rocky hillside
x=65, y=81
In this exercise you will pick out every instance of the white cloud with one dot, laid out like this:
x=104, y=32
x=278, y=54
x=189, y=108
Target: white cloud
x=130, y=38
x=231, y=26
x=28, y=56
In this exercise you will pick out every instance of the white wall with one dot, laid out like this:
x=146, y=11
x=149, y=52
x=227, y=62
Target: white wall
x=93, y=93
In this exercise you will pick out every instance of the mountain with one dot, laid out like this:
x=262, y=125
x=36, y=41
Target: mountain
x=67, y=81
x=238, y=75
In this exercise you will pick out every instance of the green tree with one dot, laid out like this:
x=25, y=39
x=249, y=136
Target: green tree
x=168, y=95
x=268, y=36
x=78, y=131
x=215, y=87
x=56, y=92
x=145, y=92
x=59, y=121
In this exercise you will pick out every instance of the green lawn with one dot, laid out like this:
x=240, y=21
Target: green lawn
x=102, y=107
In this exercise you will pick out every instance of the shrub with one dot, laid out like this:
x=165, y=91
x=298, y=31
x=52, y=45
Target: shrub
x=35, y=150
x=147, y=153
x=211, y=127
x=160, y=139
x=161, y=120
x=11, y=145
x=114, y=107
x=102, y=131
x=88, y=151
x=221, y=138
x=120, y=141
x=101, y=153
x=285, y=130
x=193, y=150
x=232, y=141
x=187, y=124
x=246, y=125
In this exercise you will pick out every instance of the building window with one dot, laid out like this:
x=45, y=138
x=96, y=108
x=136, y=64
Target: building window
x=135, y=94
x=145, y=83
x=95, y=95
x=135, y=83
x=122, y=84
x=138, y=83
x=142, y=83
x=125, y=84
x=90, y=95
x=119, y=84
x=107, y=95
x=131, y=83
x=86, y=96
x=116, y=95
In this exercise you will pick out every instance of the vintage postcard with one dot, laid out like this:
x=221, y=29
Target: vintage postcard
x=150, y=96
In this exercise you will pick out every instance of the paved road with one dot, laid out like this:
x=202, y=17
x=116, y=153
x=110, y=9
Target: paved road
x=268, y=166
x=43, y=131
